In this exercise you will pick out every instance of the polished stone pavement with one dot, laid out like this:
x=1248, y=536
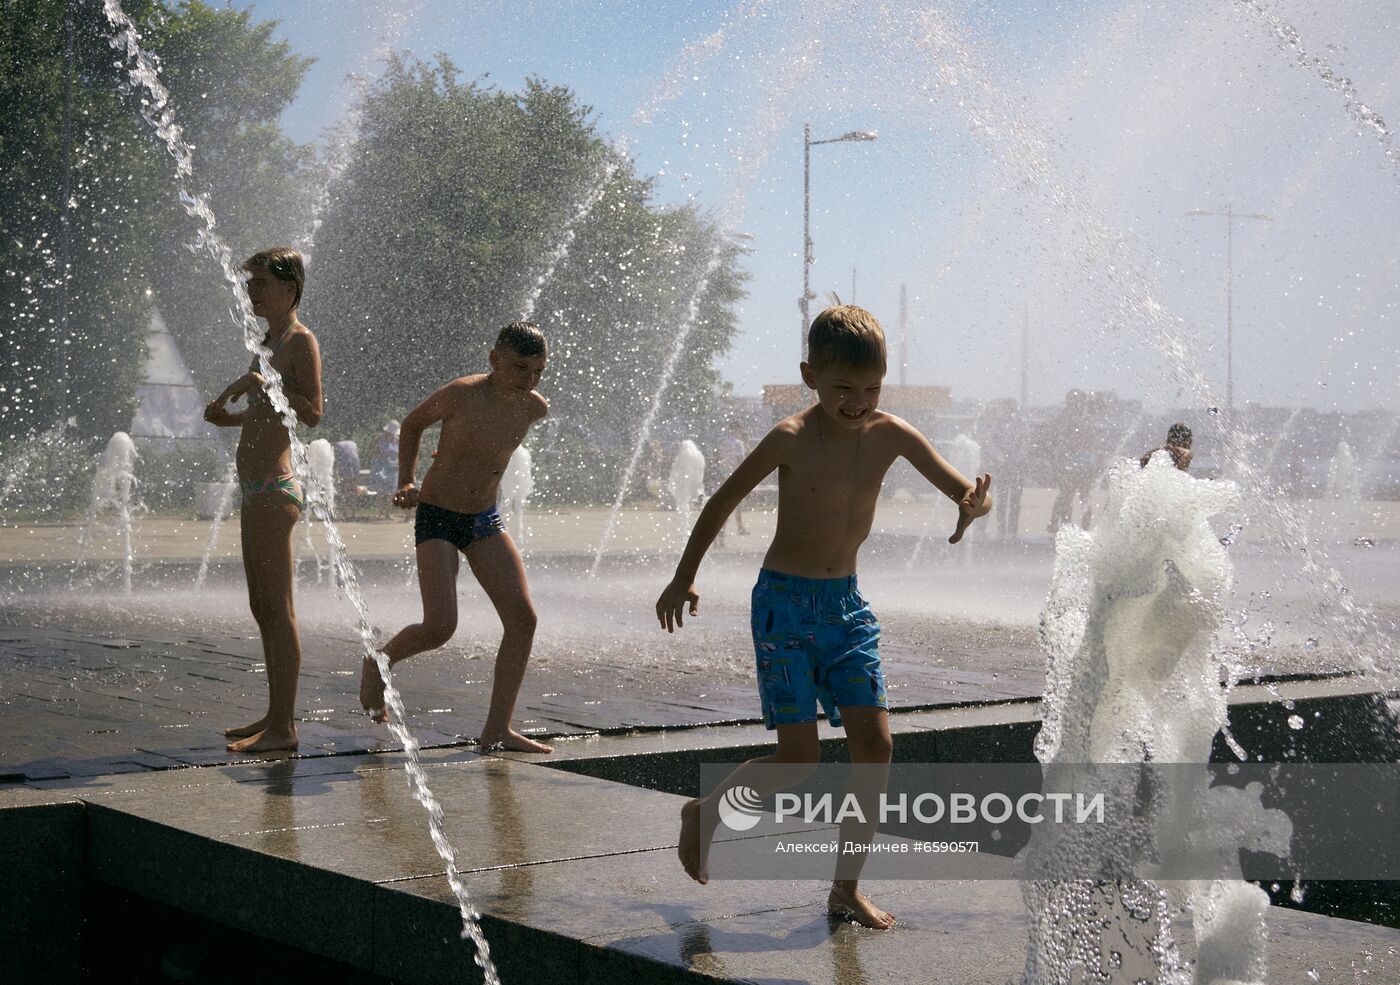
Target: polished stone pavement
x=577, y=878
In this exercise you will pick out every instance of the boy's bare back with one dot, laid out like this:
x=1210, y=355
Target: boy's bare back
x=482, y=424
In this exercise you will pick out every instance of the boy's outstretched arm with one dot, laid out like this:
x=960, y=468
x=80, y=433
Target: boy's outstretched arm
x=419, y=419
x=974, y=499
x=680, y=594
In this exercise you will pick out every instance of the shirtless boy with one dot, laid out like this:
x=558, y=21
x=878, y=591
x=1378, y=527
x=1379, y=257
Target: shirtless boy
x=815, y=637
x=484, y=418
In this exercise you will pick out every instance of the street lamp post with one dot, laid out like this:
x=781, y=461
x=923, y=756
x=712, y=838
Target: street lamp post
x=804, y=302
x=1230, y=215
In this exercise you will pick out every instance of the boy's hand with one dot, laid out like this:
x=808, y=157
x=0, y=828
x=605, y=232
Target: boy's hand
x=240, y=386
x=671, y=606
x=977, y=502
x=217, y=414
x=407, y=496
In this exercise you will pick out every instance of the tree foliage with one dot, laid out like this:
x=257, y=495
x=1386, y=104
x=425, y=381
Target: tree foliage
x=453, y=200
x=78, y=274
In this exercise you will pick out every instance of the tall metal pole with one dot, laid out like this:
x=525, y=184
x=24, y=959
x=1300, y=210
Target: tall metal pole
x=1229, y=307
x=1230, y=215
x=803, y=302
x=807, y=144
x=903, y=334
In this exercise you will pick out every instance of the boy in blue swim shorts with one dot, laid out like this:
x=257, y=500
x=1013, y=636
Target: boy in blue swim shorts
x=484, y=419
x=816, y=641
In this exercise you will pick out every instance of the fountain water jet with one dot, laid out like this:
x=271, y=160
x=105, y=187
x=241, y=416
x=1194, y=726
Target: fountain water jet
x=113, y=486
x=516, y=486
x=687, y=481
x=668, y=370
x=1129, y=629
x=145, y=72
x=1022, y=154
x=230, y=483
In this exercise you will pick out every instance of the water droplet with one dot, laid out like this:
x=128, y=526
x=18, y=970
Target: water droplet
x=1295, y=722
x=1213, y=411
x=1310, y=644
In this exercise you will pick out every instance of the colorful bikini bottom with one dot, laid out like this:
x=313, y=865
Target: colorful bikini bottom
x=285, y=485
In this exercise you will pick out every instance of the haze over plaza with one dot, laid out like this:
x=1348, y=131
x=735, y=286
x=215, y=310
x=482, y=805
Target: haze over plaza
x=1151, y=110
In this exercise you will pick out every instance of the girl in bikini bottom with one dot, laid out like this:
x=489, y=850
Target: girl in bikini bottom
x=285, y=485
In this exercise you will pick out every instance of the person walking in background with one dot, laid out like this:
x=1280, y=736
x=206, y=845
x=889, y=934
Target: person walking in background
x=384, y=466
x=1005, y=457
x=1075, y=446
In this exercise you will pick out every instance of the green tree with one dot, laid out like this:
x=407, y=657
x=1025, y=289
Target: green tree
x=453, y=199
x=78, y=272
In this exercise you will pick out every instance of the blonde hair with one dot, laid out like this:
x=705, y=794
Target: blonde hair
x=847, y=335
x=282, y=262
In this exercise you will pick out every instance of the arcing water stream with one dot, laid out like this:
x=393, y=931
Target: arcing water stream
x=144, y=71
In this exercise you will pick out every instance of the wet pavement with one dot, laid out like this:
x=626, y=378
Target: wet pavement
x=93, y=702
x=577, y=878
x=95, y=682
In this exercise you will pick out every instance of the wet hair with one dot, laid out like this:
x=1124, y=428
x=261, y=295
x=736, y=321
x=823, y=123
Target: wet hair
x=848, y=336
x=1180, y=435
x=523, y=337
x=282, y=262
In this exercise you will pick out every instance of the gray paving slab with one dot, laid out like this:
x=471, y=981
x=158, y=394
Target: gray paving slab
x=89, y=695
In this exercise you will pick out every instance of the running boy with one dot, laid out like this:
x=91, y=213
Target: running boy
x=814, y=634
x=484, y=418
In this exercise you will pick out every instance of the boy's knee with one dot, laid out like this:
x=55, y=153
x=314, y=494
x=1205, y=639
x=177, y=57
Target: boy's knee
x=438, y=632
x=524, y=621
x=880, y=749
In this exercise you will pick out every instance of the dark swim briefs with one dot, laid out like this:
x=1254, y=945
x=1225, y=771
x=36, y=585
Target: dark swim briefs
x=459, y=529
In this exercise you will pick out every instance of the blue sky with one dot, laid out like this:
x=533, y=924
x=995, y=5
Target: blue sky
x=1021, y=145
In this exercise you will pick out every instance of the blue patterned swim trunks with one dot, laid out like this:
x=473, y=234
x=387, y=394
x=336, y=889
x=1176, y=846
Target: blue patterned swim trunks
x=815, y=640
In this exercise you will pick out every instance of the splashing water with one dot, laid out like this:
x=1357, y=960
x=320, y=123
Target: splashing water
x=144, y=71
x=113, y=487
x=561, y=250
x=1023, y=155
x=17, y=466
x=667, y=371
x=1289, y=39
x=687, y=481
x=344, y=137
x=221, y=509
x=1130, y=629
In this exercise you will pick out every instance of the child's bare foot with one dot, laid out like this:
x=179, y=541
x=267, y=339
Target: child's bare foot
x=243, y=731
x=268, y=740
x=513, y=741
x=372, y=691
x=697, y=830
x=851, y=904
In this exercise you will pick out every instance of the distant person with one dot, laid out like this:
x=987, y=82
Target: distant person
x=384, y=466
x=1080, y=465
x=731, y=452
x=815, y=638
x=272, y=497
x=347, y=467
x=484, y=419
x=1005, y=454
x=1178, y=446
